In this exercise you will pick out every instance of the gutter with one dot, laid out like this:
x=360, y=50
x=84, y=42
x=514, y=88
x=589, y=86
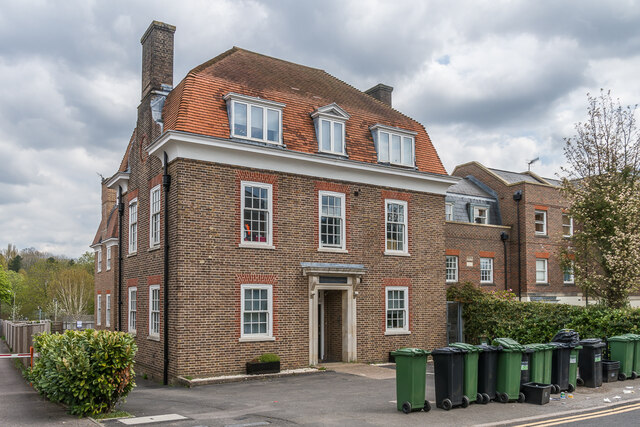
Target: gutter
x=166, y=183
x=120, y=214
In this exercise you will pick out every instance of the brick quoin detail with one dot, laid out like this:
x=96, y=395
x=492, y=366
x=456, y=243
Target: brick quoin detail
x=154, y=280
x=393, y=281
x=132, y=195
x=455, y=252
x=245, y=175
x=542, y=255
x=156, y=180
x=486, y=254
x=257, y=279
x=336, y=188
x=132, y=282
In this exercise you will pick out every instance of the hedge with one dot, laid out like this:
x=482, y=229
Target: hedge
x=89, y=371
x=498, y=314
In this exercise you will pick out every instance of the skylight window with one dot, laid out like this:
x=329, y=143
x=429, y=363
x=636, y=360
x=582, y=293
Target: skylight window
x=254, y=119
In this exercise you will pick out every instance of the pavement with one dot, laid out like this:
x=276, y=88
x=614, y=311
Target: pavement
x=344, y=394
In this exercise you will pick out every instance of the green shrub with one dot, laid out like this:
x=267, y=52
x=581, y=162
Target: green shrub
x=498, y=315
x=90, y=371
x=268, y=357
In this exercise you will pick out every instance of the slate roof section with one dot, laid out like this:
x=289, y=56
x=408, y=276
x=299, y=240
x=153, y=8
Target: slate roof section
x=515, y=177
x=465, y=195
x=466, y=187
x=196, y=105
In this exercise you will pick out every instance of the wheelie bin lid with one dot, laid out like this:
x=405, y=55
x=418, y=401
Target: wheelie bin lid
x=592, y=343
x=448, y=350
x=469, y=347
x=568, y=336
x=410, y=352
x=508, y=345
x=559, y=345
x=538, y=346
x=620, y=338
x=489, y=348
x=634, y=337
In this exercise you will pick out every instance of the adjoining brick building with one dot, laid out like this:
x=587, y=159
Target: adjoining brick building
x=539, y=236
x=265, y=206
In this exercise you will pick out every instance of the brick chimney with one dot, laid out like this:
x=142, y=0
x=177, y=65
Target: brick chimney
x=381, y=92
x=157, y=57
x=108, y=199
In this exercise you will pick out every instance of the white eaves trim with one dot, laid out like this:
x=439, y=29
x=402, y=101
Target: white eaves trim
x=392, y=129
x=111, y=241
x=119, y=179
x=217, y=150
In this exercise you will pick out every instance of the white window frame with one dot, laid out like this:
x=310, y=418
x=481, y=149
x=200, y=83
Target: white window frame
x=543, y=222
x=99, y=310
x=546, y=270
x=132, y=320
x=268, y=336
x=405, y=243
x=154, y=217
x=107, y=310
x=250, y=101
x=385, y=157
x=99, y=259
x=569, y=270
x=490, y=260
x=332, y=123
x=475, y=211
x=564, y=215
x=133, y=227
x=153, y=333
x=108, y=248
x=342, y=198
x=269, y=242
x=448, y=211
x=405, y=327
x=333, y=115
x=453, y=268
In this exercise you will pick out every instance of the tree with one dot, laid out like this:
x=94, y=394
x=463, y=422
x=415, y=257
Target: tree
x=73, y=288
x=5, y=287
x=603, y=188
x=15, y=263
x=7, y=254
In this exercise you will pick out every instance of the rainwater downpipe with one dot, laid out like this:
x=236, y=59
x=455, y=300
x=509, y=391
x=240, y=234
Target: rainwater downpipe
x=120, y=215
x=166, y=183
x=504, y=236
x=517, y=196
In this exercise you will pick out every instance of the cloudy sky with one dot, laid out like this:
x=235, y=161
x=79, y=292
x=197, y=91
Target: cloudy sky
x=501, y=82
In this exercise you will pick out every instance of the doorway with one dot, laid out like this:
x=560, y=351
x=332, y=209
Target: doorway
x=330, y=327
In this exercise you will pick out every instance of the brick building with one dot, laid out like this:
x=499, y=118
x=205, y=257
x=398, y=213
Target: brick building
x=265, y=206
x=539, y=232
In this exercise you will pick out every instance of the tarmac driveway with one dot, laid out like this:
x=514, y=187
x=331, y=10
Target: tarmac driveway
x=353, y=395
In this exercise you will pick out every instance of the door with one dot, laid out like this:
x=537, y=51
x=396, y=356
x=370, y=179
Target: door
x=454, y=322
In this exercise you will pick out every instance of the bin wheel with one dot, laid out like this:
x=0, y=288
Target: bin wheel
x=406, y=407
x=521, y=398
x=427, y=406
x=622, y=376
x=485, y=398
x=555, y=388
x=446, y=404
x=479, y=398
x=503, y=397
x=571, y=388
x=634, y=375
x=580, y=382
x=465, y=401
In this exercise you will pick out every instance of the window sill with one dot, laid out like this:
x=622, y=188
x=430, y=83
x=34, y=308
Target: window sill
x=451, y=282
x=393, y=253
x=400, y=332
x=542, y=284
x=154, y=338
x=255, y=246
x=154, y=248
x=133, y=334
x=132, y=254
x=487, y=284
x=256, y=339
x=544, y=236
x=333, y=250
x=569, y=284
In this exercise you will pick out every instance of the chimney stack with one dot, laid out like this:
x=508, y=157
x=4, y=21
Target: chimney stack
x=157, y=57
x=381, y=92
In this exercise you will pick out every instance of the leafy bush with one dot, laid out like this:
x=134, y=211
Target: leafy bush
x=498, y=315
x=268, y=357
x=90, y=371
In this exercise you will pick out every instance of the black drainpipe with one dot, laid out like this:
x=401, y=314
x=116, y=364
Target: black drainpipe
x=166, y=183
x=504, y=236
x=120, y=214
x=517, y=196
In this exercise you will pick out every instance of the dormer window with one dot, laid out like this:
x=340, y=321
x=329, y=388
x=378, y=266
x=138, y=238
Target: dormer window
x=255, y=119
x=394, y=145
x=330, y=122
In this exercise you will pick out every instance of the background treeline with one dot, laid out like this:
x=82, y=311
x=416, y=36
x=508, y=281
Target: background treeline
x=36, y=285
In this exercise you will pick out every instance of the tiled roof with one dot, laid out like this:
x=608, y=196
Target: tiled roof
x=110, y=231
x=196, y=104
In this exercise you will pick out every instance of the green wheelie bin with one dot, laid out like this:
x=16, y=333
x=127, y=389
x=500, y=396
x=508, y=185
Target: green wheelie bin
x=573, y=367
x=538, y=364
x=636, y=355
x=621, y=350
x=470, y=371
x=509, y=366
x=411, y=373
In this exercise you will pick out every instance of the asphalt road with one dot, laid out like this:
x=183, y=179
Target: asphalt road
x=627, y=414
